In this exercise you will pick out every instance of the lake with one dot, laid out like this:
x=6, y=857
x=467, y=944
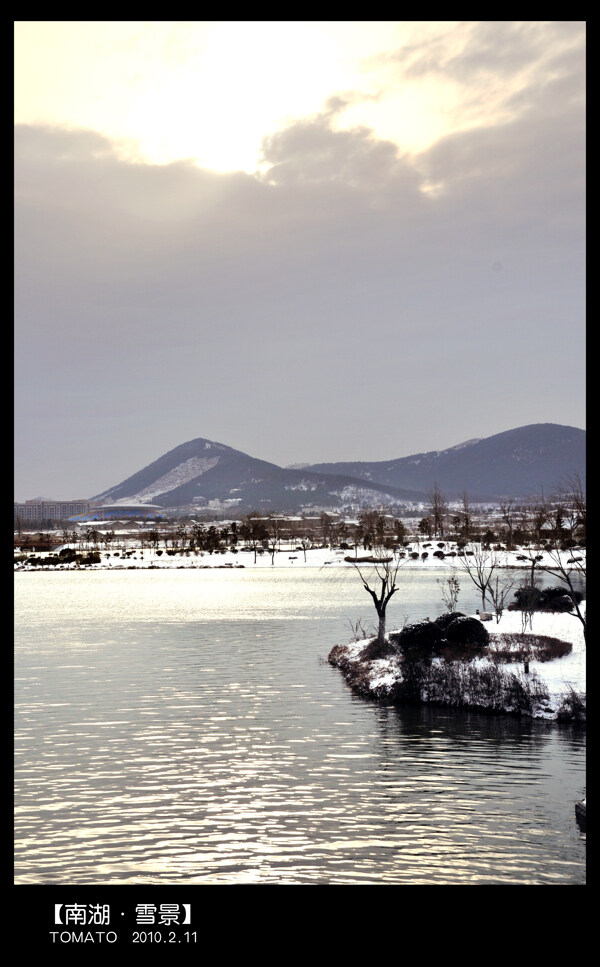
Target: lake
x=183, y=727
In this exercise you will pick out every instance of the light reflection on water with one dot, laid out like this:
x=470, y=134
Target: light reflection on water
x=184, y=727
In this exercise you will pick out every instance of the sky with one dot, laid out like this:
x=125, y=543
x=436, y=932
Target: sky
x=312, y=241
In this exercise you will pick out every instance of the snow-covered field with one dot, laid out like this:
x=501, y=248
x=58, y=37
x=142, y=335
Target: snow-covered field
x=289, y=556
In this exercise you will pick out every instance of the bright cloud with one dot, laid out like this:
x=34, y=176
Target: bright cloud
x=211, y=91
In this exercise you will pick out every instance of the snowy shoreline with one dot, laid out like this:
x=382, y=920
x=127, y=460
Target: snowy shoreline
x=131, y=554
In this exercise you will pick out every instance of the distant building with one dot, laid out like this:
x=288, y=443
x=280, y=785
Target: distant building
x=34, y=511
x=124, y=510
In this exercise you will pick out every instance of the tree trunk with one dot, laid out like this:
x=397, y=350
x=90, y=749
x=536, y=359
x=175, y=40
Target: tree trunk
x=381, y=632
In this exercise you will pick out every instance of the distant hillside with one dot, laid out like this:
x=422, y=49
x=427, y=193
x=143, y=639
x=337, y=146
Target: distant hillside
x=201, y=471
x=515, y=463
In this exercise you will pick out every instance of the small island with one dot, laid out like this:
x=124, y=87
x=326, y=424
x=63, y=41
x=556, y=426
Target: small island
x=486, y=663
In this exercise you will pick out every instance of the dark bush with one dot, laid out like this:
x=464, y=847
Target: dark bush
x=527, y=598
x=555, y=592
x=414, y=555
x=92, y=558
x=558, y=599
x=439, y=554
x=67, y=555
x=421, y=636
x=562, y=604
x=424, y=555
x=444, y=619
x=468, y=631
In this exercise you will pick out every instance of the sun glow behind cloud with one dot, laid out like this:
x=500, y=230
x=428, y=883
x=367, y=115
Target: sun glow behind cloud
x=211, y=91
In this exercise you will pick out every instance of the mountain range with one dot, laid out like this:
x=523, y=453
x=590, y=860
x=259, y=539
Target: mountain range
x=203, y=473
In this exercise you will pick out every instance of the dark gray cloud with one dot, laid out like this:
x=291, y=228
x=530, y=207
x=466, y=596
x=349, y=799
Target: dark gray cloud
x=311, y=152
x=328, y=309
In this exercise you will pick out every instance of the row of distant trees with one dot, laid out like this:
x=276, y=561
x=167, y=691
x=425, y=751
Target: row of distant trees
x=522, y=523
x=561, y=514
x=560, y=517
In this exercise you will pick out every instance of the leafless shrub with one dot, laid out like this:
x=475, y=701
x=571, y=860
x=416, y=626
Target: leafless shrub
x=357, y=630
x=573, y=707
x=450, y=589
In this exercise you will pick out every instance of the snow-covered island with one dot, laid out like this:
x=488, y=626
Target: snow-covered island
x=551, y=689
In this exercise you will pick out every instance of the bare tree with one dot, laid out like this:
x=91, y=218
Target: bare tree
x=305, y=544
x=92, y=535
x=450, y=591
x=569, y=571
x=538, y=513
x=573, y=502
x=527, y=604
x=107, y=539
x=274, y=538
x=371, y=525
x=480, y=565
x=499, y=589
x=466, y=517
x=400, y=531
x=253, y=531
x=508, y=514
x=326, y=528
x=438, y=510
x=382, y=575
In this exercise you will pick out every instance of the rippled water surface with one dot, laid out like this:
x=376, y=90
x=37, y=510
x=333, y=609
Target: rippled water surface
x=184, y=727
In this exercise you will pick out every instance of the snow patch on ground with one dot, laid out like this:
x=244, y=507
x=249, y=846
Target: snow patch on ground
x=303, y=485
